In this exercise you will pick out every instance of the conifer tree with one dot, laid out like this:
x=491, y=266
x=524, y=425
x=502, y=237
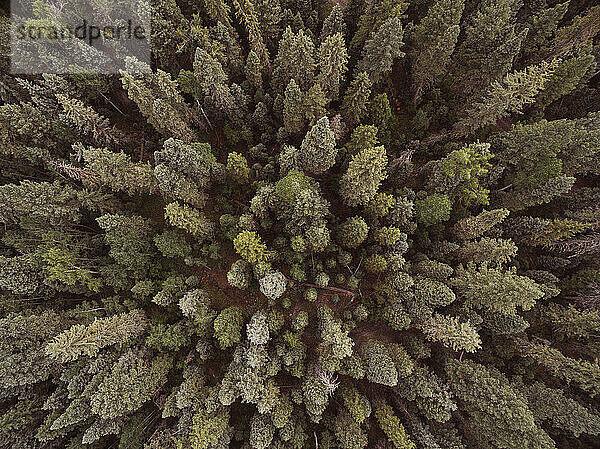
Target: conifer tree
x=332, y=60
x=293, y=111
x=500, y=414
x=489, y=48
x=159, y=100
x=365, y=173
x=295, y=59
x=333, y=24
x=382, y=49
x=215, y=251
x=246, y=13
x=390, y=424
x=517, y=90
x=433, y=41
x=81, y=340
x=317, y=152
x=118, y=172
x=357, y=95
x=496, y=289
x=453, y=334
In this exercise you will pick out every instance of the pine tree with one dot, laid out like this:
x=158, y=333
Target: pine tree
x=81, y=340
x=253, y=70
x=248, y=245
x=332, y=60
x=298, y=289
x=295, y=59
x=246, y=13
x=129, y=239
x=353, y=232
x=489, y=48
x=452, y=333
x=53, y=203
x=433, y=41
x=379, y=366
x=433, y=209
x=314, y=104
x=22, y=347
x=131, y=382
x=582, y=372
x=159, y=100
x=190, y=220
x=381, y=50
x=333, y=24
x=496, y=289
x=390, y=424
x=552, y=406
x=118, y=172
x=373, y=17
x=317, y=152
x=565, y=79
x=501, y=416
x=365, y=173
x=218, y=11
x=88, y=122
x=293, y=108
x=475, y=226
x=355, y=100
x=517, y=90
x=228, y=327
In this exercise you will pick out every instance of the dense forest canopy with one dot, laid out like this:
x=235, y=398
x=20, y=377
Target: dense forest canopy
x=373, y=224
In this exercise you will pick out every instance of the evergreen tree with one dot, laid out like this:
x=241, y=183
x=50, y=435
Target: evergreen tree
x=332, y=60
x=500, y=414
x=489, y=48
x=295, y=60
x=293, y=111
x=517, y=90
x=118, y=172
x=433, y=41
x=357, y=95
x=365, y=173
x=496, y=289
x=381, y=50
x=317, y=152
x=229, y=259
x=159, y=100
x=81, y=340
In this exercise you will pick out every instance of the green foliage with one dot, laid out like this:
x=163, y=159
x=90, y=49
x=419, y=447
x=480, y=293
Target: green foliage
x=248, y=245
x=189, y=219
x=380, y=367
x=353, y=232
x=517, y=90
x=496, y=289
x=87, y=340
x=382, y=49
x=452, y=333
x=238, y=167
x=433, y=209
x=434, y=40
x=365, y=173
x=502, y=415
x=118, y=172
x=467, y=165
x=272, y=285
x=131, y=382
x=317, y=152
x=228, y=327
x=354, y=104
x=390, y=424
x=290, y=232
